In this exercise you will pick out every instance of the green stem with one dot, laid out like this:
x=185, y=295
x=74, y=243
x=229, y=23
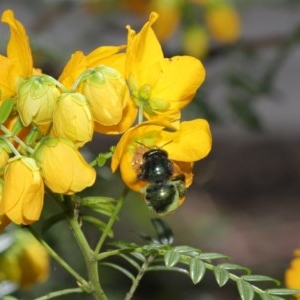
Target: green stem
x=59, y=293
x=109, y=253
x=63, y=263
x=139, y=277
x=111, y=222
x=17, y=139
x=89, y=257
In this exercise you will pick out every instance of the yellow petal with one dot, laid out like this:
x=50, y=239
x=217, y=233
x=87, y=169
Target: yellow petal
x=181, y=77
x=108, y=56
x=22, y=199
x=4, y=221
x=128, y=117
x=8, y=75
x=190, y=143
x=63, y=167
x=18, y=49
x=72, y=118
x=74, y=67
x=144, y=54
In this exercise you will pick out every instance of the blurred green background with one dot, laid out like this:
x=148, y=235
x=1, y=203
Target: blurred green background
x=245, y=199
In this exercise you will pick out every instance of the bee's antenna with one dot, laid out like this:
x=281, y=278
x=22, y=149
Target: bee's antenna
x=157, y=147
x=142, y=144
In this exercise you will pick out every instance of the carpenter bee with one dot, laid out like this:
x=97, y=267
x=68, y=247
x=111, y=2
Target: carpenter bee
x=165, y=197
x=157, y=167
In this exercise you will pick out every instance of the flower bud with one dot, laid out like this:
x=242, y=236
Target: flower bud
x=36, y=100
x=72, y=118
x=107, y=93
x=64, y=169
x=23, y=191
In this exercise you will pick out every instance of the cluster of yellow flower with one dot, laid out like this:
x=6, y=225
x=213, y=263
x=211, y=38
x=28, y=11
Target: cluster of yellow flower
x=25, y=262
x=45, y=122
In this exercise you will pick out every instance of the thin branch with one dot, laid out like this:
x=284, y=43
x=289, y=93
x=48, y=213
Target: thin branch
x=56, y=294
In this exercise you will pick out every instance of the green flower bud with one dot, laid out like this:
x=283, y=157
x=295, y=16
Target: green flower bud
x=107, y=92
x=36, y=100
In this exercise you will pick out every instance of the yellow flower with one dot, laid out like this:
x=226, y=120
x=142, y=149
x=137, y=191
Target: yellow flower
x=72, y=118
x=34, y=264
x=191, y=142
x=63, y=168
x=170, y=10
x=25, y=262
x=107, y=56
x=292, y=274
x=223, y=22
x=18, y=63
x=161, y=86
x=36, y=100
x=107, y=93
x=23, y=192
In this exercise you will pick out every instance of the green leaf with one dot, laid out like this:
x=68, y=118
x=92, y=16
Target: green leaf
x=164, y=232
x=171, y=258
x=245, y=289
x=121, y=269
x=6, y=108
x=283, y=292
x=254, y=277
x=130, y=261
x=102, y=205
x=197, y=269
x=266, y=296
x=94, y=201
x=221, y=275
x=138, y=256
x=52, y=221
x=97, y=223
x=212, y=255
x=124, y=244
x=187, y=250
x=234, y=267
x=164, y=268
